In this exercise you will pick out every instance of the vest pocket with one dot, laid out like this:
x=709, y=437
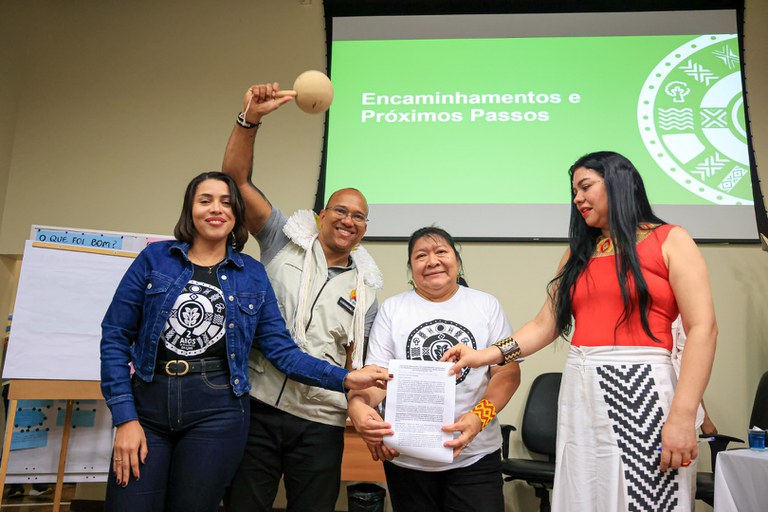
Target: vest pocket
x=335, y=353
x=334, y=398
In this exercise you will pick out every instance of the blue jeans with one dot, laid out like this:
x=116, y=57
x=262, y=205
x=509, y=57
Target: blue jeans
x=196, y=430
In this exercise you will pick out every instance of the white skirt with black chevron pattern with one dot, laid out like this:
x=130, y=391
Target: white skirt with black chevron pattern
x=613, y=403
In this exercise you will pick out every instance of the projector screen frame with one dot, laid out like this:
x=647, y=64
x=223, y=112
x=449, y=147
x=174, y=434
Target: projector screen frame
x=345, y=8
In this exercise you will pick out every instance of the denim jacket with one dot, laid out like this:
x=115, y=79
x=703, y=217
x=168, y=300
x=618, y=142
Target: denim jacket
x=142, y=304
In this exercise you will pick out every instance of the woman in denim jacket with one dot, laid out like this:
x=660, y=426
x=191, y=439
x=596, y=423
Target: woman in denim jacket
x=174, y=357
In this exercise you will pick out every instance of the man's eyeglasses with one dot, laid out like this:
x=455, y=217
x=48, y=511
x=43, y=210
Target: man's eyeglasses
x=340, y=212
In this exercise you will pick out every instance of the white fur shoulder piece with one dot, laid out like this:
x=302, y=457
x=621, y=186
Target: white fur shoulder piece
x=301, y=228
x=367, y=268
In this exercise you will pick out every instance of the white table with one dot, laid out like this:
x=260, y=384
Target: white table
x=741, y=481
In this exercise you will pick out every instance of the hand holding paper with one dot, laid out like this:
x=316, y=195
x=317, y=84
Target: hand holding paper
x=468, y=426
x=420, y=400
x=371, y=427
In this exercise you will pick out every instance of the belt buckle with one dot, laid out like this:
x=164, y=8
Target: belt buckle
x=168, y=370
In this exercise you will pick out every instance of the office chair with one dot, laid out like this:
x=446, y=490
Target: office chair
x=705, y=481
x=538, y=434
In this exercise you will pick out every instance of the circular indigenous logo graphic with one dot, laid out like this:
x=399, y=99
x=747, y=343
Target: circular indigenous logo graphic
x=430, y=340
x=691, y=118
x=196, y=320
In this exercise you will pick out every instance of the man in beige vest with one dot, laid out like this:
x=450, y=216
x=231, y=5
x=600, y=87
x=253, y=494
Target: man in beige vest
x=325, y=284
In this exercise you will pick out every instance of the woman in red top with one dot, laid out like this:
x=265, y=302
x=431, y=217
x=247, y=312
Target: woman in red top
x=626, y=422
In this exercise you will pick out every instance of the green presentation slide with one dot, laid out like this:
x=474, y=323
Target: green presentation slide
x=490, y=121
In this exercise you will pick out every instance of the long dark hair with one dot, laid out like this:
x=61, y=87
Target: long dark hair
x=628, y=206
x=185, y=228
x=434, y=231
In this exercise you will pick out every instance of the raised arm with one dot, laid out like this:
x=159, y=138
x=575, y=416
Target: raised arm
x=258, y=101
x=689, y=279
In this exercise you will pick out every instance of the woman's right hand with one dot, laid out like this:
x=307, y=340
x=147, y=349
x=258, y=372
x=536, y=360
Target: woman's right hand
x=130, y=450
x=464, y=356
x=372, y=428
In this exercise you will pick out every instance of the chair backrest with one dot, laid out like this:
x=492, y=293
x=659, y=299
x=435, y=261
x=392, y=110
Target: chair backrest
x=540, y=415
x=760, y=407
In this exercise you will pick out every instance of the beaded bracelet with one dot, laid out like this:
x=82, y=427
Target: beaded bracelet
x=509, y=349
x=484, y=410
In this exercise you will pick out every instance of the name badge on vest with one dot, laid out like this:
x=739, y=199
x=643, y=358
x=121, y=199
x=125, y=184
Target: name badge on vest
x=346, y=305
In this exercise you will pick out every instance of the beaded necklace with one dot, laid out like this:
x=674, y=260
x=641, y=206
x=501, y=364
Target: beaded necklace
x=604, y=246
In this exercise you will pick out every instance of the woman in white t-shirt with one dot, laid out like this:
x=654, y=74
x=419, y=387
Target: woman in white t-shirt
x=421, y=324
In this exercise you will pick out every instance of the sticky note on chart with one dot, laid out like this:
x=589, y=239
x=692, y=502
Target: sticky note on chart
x=83, y=414
x=27, y=418
x=26, y=439
x=34, y=404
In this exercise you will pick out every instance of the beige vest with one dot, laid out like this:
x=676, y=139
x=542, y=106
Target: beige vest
x=329, y=329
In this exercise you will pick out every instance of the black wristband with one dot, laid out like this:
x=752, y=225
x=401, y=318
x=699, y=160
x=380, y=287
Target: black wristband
x=245, y=124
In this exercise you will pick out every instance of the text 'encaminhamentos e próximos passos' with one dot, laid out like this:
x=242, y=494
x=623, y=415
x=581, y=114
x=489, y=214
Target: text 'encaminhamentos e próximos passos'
x=474, y=107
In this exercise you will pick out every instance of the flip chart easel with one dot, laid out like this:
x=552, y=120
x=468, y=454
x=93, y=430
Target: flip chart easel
x=67, y=280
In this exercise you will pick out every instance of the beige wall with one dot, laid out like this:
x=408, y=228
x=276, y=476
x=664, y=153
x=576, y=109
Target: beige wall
x=108, y=108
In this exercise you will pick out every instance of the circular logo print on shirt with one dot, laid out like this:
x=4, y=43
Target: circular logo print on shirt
x=691, y=118
x=196, y=321
x=430, y=340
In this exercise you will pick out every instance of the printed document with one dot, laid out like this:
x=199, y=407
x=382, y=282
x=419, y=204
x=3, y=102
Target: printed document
x=421, y=398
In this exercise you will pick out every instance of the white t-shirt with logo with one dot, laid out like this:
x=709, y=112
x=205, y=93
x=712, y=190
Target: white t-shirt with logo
x=413, y=328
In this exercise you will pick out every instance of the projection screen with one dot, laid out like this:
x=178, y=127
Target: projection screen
x=471, y=122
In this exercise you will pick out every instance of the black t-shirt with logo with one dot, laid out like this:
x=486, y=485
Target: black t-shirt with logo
x=196, y=327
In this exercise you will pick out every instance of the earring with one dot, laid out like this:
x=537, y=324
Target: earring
x=234, y=239
x=410, y=282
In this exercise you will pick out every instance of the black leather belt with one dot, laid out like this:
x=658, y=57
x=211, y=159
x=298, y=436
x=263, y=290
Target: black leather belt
x=180, y=367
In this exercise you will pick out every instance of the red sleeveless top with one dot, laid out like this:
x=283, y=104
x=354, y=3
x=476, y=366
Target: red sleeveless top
x=597, y=305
